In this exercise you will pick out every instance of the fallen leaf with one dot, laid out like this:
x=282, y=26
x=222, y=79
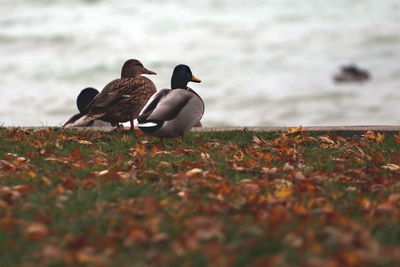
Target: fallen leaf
x=193, y=172
x=391, y=167
x=37, y=231
x=295, y=130
x=326, y=139
x=84, y=142
x=283, y=192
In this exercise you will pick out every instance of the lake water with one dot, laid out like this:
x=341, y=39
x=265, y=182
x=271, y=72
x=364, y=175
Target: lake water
x=267, y=63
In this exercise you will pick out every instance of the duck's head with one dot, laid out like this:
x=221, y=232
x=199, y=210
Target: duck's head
x=84, y=98
x=133, y=68
x=181, y=76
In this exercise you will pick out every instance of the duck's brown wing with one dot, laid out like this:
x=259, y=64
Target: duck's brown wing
x=134, y=91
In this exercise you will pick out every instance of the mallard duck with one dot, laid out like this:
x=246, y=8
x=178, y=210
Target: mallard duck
x=352, y=73
x=172, y=112
x=84, y=98
x=122, y=99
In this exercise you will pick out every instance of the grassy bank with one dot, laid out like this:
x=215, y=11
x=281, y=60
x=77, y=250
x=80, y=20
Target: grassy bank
x=220, y=198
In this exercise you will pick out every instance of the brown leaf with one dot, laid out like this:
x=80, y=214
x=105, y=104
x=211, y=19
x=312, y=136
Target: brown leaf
x=391, y=167
x=308, y=186
x=326, y=139
x=37, y=231
x=138, y=234
x=257, y=140
x=205, y=228
x=84, y=142
x=193, y=172
x=51, y=252
x=6, y=166
x=23, y=189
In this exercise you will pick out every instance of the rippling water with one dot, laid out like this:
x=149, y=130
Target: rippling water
x=261, y=62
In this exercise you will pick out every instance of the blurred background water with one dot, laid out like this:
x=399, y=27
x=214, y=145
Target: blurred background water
x=264, y=62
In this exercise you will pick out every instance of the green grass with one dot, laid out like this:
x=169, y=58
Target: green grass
x=219, y=198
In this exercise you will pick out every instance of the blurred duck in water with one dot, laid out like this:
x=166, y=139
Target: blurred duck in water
x=351, y=73
x=82, y=101
x=122, y=99
x=172, y=112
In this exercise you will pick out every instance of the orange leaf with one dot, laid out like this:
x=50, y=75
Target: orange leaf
x=283, y=192
x=307, y=186
x=397, y=138
x=267, y=157
x=138, y=234
x=349, y=258
x=299, y=209
x=75, y=154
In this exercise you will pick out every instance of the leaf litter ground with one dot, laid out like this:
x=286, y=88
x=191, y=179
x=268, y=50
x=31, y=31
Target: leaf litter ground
x=233, y=198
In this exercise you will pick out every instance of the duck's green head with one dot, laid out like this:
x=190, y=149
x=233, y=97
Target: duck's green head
x=133, y=68
x=181, y=76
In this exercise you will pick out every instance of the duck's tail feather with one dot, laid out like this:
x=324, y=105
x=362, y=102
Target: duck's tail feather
x=150, y=126
x=85, y=120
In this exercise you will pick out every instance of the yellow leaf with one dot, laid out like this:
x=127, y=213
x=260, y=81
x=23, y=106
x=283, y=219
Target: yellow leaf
x=31, y=173
x=284, y=192
x=295, y=130
x=370, y=135
x=379, y=138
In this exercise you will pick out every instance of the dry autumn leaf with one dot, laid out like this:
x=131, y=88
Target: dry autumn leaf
x=37, y=231
x=391, y=167
x=83, y=197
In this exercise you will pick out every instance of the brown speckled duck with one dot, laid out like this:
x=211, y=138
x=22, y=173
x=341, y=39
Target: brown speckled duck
x=84, y=98
x=122, y=99
x=172, y=112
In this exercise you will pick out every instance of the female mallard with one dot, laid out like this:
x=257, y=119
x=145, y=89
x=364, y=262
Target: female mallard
x=172, y=112
x=84, y=98
x=122, y=99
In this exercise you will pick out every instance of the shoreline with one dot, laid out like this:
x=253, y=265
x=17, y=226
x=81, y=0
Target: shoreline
x=351, y=128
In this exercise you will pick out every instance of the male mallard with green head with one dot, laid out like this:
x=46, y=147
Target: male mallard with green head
x=172, y=112
x=122, y=99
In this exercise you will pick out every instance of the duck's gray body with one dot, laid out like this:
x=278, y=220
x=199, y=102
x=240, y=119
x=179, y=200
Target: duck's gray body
x=171, y=113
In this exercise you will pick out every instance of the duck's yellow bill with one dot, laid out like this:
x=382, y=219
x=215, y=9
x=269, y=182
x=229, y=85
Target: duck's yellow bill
x=196, y=80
